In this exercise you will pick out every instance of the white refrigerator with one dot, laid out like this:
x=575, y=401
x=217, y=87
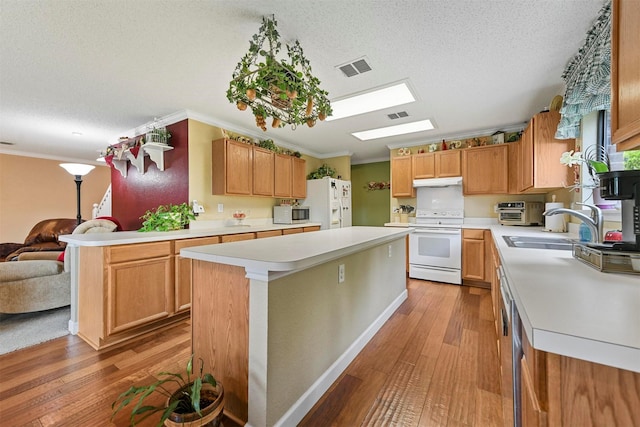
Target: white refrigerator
x=329, y=202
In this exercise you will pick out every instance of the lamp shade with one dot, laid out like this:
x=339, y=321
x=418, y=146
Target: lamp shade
x=77, y=168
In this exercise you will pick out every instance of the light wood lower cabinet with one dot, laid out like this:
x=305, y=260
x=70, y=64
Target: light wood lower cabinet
x=125, y=291
x=128, y=290
x=476, y=262
x=564, y=391
x=182, y=294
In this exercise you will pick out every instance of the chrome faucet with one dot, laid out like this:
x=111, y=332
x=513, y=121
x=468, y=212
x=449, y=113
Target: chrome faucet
x=593, y=221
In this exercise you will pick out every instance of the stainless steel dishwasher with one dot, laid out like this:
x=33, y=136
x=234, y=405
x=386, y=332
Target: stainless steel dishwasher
x=511, y=331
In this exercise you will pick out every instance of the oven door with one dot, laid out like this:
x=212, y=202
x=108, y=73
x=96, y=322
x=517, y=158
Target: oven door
x=511, y=216
x=435, y=254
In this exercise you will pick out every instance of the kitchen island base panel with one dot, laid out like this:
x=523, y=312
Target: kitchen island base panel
x=220, y=334
x=304, y=328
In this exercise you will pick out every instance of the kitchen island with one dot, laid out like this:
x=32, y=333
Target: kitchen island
x=126, y=284
x=278, y=320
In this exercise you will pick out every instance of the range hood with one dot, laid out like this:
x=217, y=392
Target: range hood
x=437, y=182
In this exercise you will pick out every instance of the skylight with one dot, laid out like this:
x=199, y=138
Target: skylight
x=371, y=101
x=402, y=129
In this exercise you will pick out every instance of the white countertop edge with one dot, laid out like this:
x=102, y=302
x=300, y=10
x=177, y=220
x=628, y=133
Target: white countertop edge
x=585, y=348
x=303, y=261
x=129, y=237
x=593, y=351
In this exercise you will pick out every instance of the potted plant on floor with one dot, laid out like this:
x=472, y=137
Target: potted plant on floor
x=198, y=400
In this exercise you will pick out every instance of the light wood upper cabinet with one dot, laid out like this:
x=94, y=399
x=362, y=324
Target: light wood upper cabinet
x=263, y=172
x=514, y=166
x=232, y=164
x=299, y=189
x=448, y=163
x=440, y=164
x=424, y=165
x=241, y=169
x=283, y=175
x=539, y=163
x=625, y=74
x=485, y=170
x=402, y=177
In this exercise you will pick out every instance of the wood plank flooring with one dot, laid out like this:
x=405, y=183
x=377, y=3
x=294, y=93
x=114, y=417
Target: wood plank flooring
x=434, y=363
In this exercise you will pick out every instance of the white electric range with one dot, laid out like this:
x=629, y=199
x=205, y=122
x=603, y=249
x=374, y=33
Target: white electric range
x=435, y=246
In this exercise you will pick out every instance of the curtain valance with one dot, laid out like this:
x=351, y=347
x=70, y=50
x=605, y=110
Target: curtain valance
x=588, y=77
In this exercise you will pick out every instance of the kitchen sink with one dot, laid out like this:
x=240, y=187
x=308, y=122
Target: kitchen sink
x=534, y=242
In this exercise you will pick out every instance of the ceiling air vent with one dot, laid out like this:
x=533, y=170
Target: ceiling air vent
x=354, y=68
x=398, y=115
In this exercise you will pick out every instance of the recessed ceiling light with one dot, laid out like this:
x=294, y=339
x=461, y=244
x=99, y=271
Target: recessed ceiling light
x=402, y=129
x=371, y=101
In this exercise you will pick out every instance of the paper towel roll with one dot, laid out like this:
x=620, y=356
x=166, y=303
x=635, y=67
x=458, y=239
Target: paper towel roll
x=554, y=223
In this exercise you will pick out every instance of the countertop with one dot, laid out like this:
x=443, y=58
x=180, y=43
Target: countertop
x=295, y=251
x=570, y=308
x=128, y=237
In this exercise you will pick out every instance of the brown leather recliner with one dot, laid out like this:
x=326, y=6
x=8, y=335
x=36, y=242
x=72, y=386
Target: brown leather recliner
x=42, y=237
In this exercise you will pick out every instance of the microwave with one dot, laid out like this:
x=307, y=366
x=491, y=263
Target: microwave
x=290, y=214
x=520, y=213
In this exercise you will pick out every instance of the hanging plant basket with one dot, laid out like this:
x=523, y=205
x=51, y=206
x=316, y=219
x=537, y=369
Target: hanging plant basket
x=283, y=89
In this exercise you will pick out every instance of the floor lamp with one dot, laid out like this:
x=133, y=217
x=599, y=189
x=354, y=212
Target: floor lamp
x=78, y=170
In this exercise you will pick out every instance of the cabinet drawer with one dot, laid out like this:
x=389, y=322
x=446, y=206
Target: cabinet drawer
x=236, y=237
x=292, y=230
x=270, y=233
x=312, y=228
x=181, y=244
x=470, y=233
x=124, y=253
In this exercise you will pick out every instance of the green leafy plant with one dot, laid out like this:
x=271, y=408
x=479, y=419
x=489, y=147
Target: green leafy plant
x=190, y=397
x=269, y=145
x=285, y=89
x=631, y=160
x=322, y=171
x=167, y=217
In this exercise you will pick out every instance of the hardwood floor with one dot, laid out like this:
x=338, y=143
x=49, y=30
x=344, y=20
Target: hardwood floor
x=434, y=363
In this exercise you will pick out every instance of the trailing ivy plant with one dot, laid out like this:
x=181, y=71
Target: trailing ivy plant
x=167, y=217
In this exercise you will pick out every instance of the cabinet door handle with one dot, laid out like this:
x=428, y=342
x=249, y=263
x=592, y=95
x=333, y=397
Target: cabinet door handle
x=505, y=324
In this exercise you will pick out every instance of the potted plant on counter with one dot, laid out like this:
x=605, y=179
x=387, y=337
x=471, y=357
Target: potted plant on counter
x=198, y=400
x=167, y=217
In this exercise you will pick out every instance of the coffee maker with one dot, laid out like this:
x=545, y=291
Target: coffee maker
x=624, y=256
x=624, y=186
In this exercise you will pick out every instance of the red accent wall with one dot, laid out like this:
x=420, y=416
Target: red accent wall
x=134, y=195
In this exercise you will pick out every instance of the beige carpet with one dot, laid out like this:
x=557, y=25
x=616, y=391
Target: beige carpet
x=26, y=329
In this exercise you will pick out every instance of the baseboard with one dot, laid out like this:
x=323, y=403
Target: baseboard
x=303, y=405
x=73, y=327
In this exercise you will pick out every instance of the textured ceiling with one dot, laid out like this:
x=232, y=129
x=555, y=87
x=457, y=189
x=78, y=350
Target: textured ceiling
x=102, y=68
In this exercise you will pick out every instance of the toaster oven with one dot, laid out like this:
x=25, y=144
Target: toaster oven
x=520, y=213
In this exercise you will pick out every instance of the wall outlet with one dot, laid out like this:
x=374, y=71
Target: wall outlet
x=220, y=208
x=341, y=273
x=390, y=251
